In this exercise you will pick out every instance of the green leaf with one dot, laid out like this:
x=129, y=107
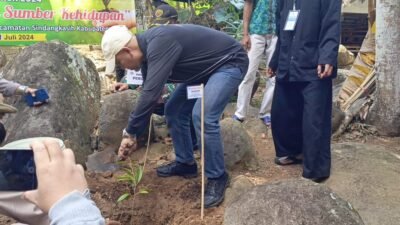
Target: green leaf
x=143, y=191
x=138, y=175
x=123, y=197
x=126, y=177
x=128, y=171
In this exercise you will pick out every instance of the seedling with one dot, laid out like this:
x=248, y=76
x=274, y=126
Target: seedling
x=132, y=176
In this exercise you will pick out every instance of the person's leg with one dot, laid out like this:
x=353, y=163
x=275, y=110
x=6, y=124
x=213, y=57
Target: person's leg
x=246, y=87
x=265, y=109
x=193, y=135
x=13, y=205
x=218, y=91
x=287, y=114
x=266, y=104
x=317, y=129
x=178, y=116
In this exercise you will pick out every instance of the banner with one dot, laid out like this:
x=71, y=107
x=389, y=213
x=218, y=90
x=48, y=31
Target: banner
x=25, y=22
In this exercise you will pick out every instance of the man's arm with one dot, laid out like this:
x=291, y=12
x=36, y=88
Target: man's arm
x=247, y=11
x=329, y=38
x=9, y=88
x=163, y=53
x=75, y=208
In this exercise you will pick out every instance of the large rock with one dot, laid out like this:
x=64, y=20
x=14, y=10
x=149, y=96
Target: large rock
x=292, y=202
x=74, y=88
x=231, y=108
x=3, y=59
x=369, y=177
x=114, y=116
x=239, y=186
x=103, y=161
x=238, y=145
x=252, y=122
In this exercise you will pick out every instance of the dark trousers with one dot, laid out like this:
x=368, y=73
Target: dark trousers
x=301, y=123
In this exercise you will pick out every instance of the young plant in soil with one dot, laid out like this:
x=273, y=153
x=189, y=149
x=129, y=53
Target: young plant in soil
x=133, y=174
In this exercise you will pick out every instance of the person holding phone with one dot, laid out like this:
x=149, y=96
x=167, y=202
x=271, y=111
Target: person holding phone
x=61, y=196
x=10, y=200
x=8, y=89
x=62, y=187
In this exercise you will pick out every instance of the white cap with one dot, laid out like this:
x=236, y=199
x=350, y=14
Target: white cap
x=114, y=39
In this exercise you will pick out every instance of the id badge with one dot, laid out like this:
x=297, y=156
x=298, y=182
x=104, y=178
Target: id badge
x=291, y=20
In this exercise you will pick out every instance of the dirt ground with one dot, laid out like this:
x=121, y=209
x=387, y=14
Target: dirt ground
x=176, y=201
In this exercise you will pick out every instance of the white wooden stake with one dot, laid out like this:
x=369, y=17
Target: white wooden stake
x=195, y=92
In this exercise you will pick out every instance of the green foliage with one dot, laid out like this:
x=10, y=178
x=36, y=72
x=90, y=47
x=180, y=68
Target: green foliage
x=123, y=197
x=215, y=14
x=132, y=176
x=229, y=19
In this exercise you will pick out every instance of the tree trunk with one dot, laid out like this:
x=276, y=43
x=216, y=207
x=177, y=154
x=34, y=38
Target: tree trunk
x=140, y=6
x=386, y=112
x=144, y=12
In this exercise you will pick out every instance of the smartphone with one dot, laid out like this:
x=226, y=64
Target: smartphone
x=17, y=170
x=41, y=97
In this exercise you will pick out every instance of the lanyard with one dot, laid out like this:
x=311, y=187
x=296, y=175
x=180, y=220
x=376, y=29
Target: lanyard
x=294, y=5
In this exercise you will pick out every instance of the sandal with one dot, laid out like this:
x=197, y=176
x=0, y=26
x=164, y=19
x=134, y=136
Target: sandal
x=288, y=160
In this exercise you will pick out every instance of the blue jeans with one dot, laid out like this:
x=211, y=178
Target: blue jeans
x=218, y=90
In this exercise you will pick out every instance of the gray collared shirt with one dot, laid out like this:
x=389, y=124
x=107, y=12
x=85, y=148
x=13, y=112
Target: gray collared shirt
x=8, y=88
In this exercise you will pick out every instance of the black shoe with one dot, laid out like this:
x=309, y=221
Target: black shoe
x=317, y=179
x=289, y=160
x=320, y=179
x=215, y=191
x=177, y=169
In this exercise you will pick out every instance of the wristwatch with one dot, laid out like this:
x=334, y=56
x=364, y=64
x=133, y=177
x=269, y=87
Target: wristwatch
x=127, y=135
x=21, y=89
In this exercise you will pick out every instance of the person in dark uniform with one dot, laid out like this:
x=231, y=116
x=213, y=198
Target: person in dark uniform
x=305, y=62
x=185, y=55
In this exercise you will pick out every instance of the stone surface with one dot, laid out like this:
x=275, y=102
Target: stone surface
x=369, y=177
x=238, y=145
x=239, y=186
x=158, y=151
x=74, y=89
x=291, y=202
x=100, y=162
x=114, y=116
x=255, y=126
x=3, y=59
x=337, y=118
x=231, y=108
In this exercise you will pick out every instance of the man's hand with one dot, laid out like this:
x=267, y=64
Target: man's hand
x=128, y=145
x=31, y=91
x=120, y=87
x=324, y=70
x=246, y=42
x=57, y=174
x=270, y=72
